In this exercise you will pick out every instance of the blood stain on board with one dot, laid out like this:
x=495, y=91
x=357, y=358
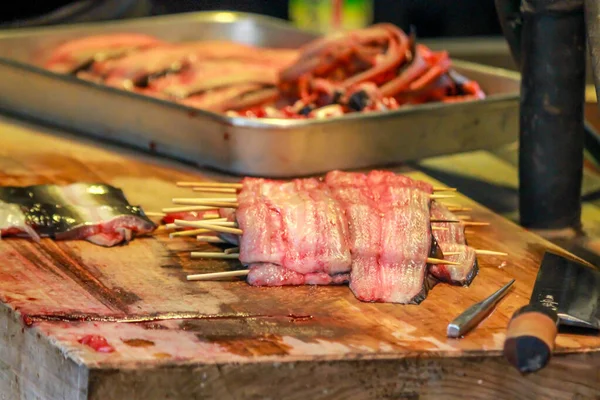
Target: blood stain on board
x=97, y=342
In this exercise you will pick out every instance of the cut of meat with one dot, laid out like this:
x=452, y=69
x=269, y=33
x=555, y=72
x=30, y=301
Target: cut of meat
x=95, y=212
x=209, y=75
x=454, y=232
x=273, y=275
x=77, y=54
x=231, y=97
x=371, y=230
x=461, y=274
x=102, y=225
x=296, y=225
x=141, y=67
x=390, y=235
x=452, y=240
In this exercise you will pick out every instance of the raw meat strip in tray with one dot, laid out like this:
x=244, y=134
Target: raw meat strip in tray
x=78, y=54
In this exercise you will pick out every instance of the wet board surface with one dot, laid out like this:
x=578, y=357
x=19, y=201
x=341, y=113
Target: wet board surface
x=182, y=340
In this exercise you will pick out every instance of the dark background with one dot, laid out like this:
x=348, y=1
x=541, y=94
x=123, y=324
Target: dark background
x=432, y=18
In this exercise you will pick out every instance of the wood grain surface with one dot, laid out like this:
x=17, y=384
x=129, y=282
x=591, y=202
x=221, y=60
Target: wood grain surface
x=175, y=339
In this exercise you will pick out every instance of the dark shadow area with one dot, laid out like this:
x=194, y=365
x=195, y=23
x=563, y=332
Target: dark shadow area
x=499, y=199
x=430, y=18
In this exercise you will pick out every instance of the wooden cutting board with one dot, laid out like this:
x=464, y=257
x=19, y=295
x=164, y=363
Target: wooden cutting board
x=175, y=339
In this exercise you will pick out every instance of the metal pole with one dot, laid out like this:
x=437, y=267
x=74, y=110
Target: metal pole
x=552, y=113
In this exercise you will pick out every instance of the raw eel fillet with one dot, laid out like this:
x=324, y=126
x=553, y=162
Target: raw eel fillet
x=142, y=67
x=453, y=240
x=294, y=233
x=390, y=235
x=102, y=225
x=79, y=54
x=95, y=212
x=231, y=97
x=273, y=275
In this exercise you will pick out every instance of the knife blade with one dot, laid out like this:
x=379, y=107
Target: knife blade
x=565, y=292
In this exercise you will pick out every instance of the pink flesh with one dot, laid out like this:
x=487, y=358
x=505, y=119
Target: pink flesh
x=152, y=61
x=457, y=274
x=452, y=240
x=124, y=71
x=273, y=275
x=211, y=75
x=390, y=234
x=296, y=225
x=70, y=54
x=105, y=229
x=222, y=99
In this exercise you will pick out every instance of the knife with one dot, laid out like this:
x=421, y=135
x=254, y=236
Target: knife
x=476, y=313
x=566, y=292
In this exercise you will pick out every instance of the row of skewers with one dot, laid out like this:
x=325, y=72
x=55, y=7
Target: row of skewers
x=204, y=218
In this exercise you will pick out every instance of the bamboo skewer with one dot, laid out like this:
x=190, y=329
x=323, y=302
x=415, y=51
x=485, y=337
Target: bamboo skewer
x=191, y=232
x=232, y=250
x=200, y=254
x=188, y=209
x=215, y=190
x=210, y=184
x=466, y=223
x=441, y=196
x=210, y=239
x=444, y=189
x=244, y=272
x=211, y=215
x=490, y=253
x=473, y=223
x=208, y=225
x=217, y=275
x=154, y=214
x=214, y=220
x=457, y=209
x=223, y=223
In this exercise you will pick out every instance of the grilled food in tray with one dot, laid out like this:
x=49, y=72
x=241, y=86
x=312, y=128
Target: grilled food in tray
x=378, y=68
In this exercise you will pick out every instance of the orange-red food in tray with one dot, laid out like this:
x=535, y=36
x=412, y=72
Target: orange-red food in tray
x=373, y=69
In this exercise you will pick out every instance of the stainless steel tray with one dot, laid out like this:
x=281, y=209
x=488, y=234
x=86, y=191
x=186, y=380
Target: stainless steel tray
x=273, y=148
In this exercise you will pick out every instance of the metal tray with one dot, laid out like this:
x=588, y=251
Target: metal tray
x=272, y=148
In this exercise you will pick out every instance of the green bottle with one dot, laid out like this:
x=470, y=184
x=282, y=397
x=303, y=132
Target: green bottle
x=327, y=16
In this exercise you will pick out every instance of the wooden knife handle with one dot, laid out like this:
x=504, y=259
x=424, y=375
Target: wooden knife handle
x=530, y=338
